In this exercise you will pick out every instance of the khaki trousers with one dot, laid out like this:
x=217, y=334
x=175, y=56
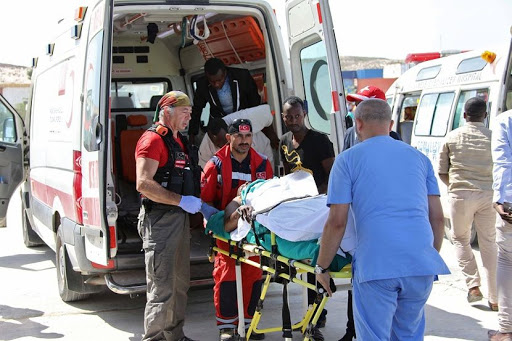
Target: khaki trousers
x=466, y=208
x=166, y=242
x=504, y=275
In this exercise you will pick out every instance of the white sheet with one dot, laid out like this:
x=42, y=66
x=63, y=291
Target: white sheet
x=260, y=116
x=297, y=219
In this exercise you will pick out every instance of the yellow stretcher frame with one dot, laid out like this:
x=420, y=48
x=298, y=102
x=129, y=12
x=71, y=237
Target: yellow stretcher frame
x=307, y=324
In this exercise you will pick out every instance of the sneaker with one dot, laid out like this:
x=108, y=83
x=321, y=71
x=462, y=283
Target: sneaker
x=493, y=306
x=495, y=335
x=227, y=334
x=474, y=294
x=256, y=336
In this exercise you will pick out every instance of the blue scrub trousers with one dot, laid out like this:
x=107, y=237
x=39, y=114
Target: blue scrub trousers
x=391, y=309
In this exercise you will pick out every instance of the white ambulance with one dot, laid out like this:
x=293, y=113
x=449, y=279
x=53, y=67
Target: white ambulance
x=94, y=93
x=428, y=99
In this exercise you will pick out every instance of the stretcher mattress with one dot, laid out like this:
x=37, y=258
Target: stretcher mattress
x=291, y=208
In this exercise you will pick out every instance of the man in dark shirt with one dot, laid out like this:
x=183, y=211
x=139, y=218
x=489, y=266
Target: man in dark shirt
x=303, y=148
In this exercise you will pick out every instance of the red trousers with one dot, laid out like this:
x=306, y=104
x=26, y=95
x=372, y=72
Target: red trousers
x=224, y=290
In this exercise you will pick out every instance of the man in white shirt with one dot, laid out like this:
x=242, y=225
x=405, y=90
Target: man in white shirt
x=502, y=185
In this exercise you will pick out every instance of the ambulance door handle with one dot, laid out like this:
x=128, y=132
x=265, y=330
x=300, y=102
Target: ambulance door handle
x=98, y=133
x=96, y=125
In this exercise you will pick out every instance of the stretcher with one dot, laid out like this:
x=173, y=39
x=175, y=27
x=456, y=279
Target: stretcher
x=283, y=260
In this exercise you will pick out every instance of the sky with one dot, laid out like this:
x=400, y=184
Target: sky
x=370, y=28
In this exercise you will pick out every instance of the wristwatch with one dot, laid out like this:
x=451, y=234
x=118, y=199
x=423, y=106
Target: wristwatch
x=319, y=270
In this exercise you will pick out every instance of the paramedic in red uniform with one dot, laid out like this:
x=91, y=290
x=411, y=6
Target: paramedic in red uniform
x=233, y=165
x=168, y=180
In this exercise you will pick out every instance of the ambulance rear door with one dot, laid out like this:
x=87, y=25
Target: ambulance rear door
x=316, y=67
x=11, y=155
x=93, y=161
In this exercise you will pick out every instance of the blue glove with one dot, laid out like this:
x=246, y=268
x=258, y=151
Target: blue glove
x=208, y=210
x=190, y=204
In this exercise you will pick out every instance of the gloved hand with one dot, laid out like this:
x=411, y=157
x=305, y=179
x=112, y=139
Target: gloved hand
x=208, y=210
x=190, y=204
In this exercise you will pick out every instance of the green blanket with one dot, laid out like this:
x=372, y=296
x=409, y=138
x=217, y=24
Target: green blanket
x=294, y=250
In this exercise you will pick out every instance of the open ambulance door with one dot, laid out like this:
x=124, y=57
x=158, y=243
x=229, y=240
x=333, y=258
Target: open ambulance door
x=96, y=110
x=11, y=155
x=316, y=67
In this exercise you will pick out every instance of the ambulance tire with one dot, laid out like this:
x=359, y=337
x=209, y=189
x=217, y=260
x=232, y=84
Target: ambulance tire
x=65, y=271
x=30, y=238
x=449, y=234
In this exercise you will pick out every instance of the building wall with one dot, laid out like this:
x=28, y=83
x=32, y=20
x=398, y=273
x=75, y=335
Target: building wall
x=381, y=83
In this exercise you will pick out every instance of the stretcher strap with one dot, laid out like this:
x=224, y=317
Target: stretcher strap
x=229, y=41
x=287, y=323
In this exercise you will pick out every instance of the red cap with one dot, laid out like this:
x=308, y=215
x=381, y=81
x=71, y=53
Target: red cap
x=366, y=93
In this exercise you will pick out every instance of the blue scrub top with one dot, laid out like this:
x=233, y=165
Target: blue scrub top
x=388, y=183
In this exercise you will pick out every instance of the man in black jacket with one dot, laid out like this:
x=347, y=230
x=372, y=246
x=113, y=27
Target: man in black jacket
x=226, y=89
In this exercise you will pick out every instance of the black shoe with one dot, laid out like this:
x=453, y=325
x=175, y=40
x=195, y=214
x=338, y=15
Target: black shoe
x=185, y=338
x=317, y=335
x=322, y=320
x=321, y=323
x=347, y=337
x=256, y=336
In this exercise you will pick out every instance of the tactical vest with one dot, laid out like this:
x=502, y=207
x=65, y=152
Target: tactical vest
x=181, y=174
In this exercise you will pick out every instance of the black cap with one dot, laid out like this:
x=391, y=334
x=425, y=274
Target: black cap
x=240, y=125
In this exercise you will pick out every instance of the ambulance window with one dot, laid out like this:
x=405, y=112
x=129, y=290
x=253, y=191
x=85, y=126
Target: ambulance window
x=92, y=91
x=408, y=107
x=433, y=114
x=315, y=74
x=7, y=131
x=205, y=114
x=471, y=65
x=428, y=73
x=442, y=114
x=136, y=93
x=458, y=120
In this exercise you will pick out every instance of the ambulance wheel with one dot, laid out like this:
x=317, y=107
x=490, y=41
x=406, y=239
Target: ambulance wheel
x=30, y=238
x=64, y=270
x=448, y=233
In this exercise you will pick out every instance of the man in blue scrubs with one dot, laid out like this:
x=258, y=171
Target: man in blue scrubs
x=399, y=224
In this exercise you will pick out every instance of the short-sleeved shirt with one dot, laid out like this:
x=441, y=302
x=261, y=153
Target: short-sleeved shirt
x=314, y=149
x=388, y=183
x=152, y=146
x=466, y=157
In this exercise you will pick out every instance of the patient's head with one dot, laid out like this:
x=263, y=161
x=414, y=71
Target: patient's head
x=216, y=130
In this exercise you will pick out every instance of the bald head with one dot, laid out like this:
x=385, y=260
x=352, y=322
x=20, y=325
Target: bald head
x=373, y=118
x=373, y=110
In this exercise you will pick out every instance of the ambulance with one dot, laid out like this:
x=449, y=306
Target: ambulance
x=94, y=91
x=428, y=100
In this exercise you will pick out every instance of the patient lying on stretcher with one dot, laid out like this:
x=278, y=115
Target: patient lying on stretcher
x=291, y=208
